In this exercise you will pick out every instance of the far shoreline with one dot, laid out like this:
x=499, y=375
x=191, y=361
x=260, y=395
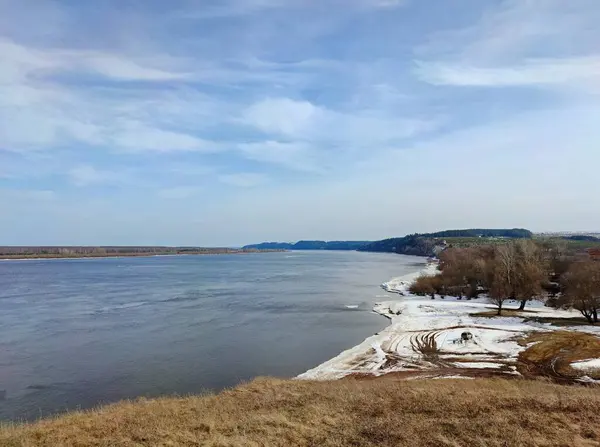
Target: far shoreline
x=216, y=251
x=41, y=257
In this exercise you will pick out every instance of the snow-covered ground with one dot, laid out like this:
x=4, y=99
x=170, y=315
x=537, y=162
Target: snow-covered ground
x=586, y=365
x=428, y=335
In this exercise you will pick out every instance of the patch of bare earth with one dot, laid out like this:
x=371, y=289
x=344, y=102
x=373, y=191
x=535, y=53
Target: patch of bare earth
x=269, y=412
x=550, y=354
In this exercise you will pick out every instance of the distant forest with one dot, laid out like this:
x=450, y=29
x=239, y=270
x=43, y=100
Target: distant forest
x=583, y=238
x=514, y=233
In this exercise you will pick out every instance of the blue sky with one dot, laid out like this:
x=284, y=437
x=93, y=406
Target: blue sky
x=235, y=121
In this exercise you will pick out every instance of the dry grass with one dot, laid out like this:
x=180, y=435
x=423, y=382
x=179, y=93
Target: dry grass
x=575, y=321
x=505, y=313
x=553, y=353
x=269, y=412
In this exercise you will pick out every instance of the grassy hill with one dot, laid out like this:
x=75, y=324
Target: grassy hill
x=381, y=412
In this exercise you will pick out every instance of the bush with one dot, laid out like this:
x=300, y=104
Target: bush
x=426, y=285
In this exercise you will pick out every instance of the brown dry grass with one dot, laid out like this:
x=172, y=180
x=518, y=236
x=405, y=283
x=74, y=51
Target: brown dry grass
x=270, y=412
x=553, y=353
x=574, y=321
x=505, y=313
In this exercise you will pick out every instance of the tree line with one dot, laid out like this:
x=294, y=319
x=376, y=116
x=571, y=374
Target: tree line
x=520, y=270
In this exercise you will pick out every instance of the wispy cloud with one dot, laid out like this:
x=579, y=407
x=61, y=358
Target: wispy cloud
x=179, y=192
x=295, y=156
x=243, y=179
x=138, y=137
x=85, y=175
x=536, y=72
x=303, y=120
x=27, y=62
x=518, y=43
x=28, y=195
x=283, y=116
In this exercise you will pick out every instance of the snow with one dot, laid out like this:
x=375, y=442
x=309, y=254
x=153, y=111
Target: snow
x=400, y=284
x=586, y=364
x=416, y=320
x=478, y=365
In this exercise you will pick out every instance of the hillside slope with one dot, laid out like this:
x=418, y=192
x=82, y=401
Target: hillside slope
x=428, y=244
x=382, y=412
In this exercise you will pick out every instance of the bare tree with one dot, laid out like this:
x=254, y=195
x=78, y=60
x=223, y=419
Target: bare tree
x=504, y=275
x=517, y=274
x=464, y=270
x=423, y=286
x=531, y=272
x=582, y=289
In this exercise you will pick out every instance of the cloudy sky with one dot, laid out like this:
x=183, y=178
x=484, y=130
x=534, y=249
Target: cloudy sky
x=226, y=122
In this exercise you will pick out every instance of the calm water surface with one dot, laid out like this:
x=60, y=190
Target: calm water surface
x=77, y=333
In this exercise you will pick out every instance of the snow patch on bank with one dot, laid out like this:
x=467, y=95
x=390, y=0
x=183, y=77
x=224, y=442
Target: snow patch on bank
x=586, y=365
x=437, y=335
x=401, y=284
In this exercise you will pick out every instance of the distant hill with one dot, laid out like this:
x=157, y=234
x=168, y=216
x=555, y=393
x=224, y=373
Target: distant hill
x=414, y=244
x=308, y=245
x=582, y=237
x=515, y=233
x=429, y=244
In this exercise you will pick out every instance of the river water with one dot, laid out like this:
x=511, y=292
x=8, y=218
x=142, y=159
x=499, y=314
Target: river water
x=82, y=332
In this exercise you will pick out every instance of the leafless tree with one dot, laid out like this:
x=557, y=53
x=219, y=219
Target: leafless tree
x=517, y=273
x=504, y=275
x=582, y=289
x=531, y=272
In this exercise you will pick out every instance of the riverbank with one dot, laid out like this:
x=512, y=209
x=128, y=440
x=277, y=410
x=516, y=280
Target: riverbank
x=216, y=251
x=449, y=337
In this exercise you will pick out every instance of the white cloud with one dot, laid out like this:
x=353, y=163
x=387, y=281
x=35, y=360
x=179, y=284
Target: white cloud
x=243, y=180
x=118, y=67
x=230, y=8
x=283, y=116
x=510, y=30
x=296, y=156
x=179, y=192
x=26, y=62
x=236, y=8
x=385, y=3
x=533, y=72
x=62, y=114
x=24, y=196
x=139, y=137
x=519, y=42
x=304, y=121
x=85, y=175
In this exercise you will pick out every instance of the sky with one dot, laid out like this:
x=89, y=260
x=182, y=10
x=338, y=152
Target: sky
x=222, y=123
